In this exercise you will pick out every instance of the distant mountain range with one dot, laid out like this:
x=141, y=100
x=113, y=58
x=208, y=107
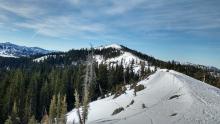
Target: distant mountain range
x=11, y=50
x=119, y=53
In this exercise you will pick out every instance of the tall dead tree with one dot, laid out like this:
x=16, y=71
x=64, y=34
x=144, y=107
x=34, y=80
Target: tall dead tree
x=88, y=82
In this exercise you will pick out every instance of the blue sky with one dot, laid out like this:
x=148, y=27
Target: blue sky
x=183, y=30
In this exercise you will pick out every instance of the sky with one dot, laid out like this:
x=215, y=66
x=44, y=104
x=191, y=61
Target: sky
x=181, y=30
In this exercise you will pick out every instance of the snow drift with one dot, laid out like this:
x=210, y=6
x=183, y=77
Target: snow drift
x=169, y=97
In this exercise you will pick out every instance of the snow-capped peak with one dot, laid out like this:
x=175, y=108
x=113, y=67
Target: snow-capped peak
x=115, y=46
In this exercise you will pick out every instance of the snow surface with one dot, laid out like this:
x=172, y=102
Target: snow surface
x=42, y=58
x=169, y=97
x=115, y=46
x=3, y=53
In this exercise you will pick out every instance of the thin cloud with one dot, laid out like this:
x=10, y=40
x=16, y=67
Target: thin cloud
x=60, y=26
x=23, y=9
x=112, y=18
x=123, y=6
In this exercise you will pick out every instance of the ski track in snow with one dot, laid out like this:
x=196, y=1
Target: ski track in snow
x=169, y=97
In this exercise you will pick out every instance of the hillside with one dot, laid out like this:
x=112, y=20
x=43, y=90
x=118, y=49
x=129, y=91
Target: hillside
x=169, y=97
x=11, y=50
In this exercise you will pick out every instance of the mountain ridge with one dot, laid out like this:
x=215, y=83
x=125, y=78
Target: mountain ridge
x=8, y=49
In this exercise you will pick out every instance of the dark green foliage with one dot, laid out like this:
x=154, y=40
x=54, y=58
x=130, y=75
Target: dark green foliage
x=118, y=110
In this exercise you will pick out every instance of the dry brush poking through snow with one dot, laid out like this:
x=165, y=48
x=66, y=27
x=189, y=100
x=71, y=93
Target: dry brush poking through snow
x=168, y=98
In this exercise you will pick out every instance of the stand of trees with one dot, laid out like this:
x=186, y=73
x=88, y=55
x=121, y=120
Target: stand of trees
x=34, y=90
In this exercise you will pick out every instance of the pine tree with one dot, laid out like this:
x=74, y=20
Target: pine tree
x=53, y=110
x=100, y=89
x=101, y=78
x=63, y=109
x=27, y=111
x=142, y=73
x=45, y=119
x=58, y=106
x=9, y=120
x=32, y=120
x=14, y=114
x=77, y=106
x=85, y=106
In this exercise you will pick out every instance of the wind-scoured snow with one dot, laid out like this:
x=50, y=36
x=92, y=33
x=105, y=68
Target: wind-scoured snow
x=169, y=97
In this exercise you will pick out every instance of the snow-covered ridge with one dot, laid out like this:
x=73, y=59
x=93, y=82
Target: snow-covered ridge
x=11, y=50
x=169, y=97
x=126, y=59
x=98, y=58
x=114, y=46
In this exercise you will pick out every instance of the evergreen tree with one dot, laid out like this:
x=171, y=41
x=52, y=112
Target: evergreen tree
x=58, y=106
x=45, y=119
x=27, y=111
x=53, y=109
x=142, y=72
x=77, y=106
x=85, y=106
x=44, y=96
x=32, y=120
x=63, y=109
x=9, y=120
x=14, y=114
x=101, y=78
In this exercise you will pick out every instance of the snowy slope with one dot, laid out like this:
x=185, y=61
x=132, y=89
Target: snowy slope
x=3, y=53
x=11, y=50
x=170, y=98
x=125, y=59
x=42, y=58
x=115, y=46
